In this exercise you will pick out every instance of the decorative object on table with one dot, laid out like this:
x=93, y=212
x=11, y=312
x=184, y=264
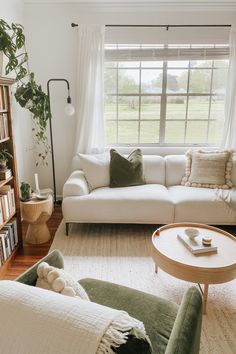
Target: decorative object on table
x=207, y=241
x=208, y=169
x=191, y=233
x=125, y=172
x=42, y=195
x=55, y=279
x=69, y=111
x=36, y=178
x=5, y=156
x=37, y=213
x=28, y=93
x=197, y=246
x=26, y=192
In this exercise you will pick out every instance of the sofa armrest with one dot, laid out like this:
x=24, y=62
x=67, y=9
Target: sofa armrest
x=186, y=332
x=76, y=185
x=30, y=276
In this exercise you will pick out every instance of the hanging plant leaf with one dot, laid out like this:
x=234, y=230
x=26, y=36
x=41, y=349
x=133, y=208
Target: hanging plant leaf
x=28, y=93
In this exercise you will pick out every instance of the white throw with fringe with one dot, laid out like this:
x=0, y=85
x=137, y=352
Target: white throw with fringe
x=40, y=321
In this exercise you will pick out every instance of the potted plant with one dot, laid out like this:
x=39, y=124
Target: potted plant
x=4, y=157
x=26, y=192
x=28, y=93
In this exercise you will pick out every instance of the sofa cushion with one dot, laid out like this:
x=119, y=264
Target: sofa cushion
x=149, y=203
x=154, y=169
x=126, y=171
x=175, y=169
x=208, y=169
x=158, y=322
x=200, y=205
x=96, y=169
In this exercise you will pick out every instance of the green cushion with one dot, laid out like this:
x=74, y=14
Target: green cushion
x=158, y=315
x=124, y=171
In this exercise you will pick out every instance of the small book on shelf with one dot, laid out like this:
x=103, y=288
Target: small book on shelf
x=5, y=174
x=195, y=246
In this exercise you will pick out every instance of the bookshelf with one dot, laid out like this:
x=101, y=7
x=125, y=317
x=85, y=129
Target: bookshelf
x=10, y=219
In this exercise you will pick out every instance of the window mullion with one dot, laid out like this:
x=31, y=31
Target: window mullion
x=139, y=105
x=163, y=105
x=210, y=100
x=187, y=102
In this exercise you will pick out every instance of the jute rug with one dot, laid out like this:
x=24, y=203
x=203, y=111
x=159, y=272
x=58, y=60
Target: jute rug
x=120, y=254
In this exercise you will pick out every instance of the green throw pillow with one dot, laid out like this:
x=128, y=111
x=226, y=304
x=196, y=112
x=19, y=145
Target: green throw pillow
x=125, y=172
x=137, y=343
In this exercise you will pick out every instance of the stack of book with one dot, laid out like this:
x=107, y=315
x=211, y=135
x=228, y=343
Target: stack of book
x=5, y=174
x=7, y=203
x=8, y=240
x=3, y=98
x=4, y=131
x=195, y=246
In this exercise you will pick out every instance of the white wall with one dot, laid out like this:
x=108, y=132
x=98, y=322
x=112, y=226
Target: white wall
x=52, y=49
x=12, y=11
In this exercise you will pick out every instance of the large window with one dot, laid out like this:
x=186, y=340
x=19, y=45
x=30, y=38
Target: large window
x=165, y=95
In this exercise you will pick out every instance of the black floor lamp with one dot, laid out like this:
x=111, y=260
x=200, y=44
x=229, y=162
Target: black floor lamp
x=69, y=111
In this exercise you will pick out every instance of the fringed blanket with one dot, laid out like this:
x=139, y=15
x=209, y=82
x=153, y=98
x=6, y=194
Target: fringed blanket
x=39, y=321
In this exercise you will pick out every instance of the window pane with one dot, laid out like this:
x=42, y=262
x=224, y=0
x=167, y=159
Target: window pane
x=110, y=132
x=219, y=82
x=198, y=107
x=128, y=132
x=174, y=132
x=221, y=63
x=217, y=108
x=196, y=132
x=201, y=63
x=128, y=81
x=177, y=64
x=110, y=78
x=150, y=107
x=176, y=107
x=151, y=81
x=152, y=64
x=149, y=132
x=200, y=81
x=129, y=64
x=215, y=131
x=110, y=107
x=128, y=107
x=177, y=81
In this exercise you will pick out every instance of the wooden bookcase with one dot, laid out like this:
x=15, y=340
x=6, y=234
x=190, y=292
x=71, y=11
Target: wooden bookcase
x=8, y=142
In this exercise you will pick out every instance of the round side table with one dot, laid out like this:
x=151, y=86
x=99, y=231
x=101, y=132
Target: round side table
x=37, y=213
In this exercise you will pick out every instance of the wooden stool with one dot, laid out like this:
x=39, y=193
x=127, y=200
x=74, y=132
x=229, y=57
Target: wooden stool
x=37, y=213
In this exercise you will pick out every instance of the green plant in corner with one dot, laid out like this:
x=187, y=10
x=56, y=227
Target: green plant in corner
x=25, y=191
x=28, y=93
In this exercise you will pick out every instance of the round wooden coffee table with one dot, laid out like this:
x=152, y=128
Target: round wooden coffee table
x=174, y=258
x=36, y=213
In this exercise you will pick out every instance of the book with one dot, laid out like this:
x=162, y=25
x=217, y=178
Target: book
x=195, y=246
x=5, y=174
x=2, y=240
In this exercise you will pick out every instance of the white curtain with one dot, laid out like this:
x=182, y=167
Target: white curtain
x=229, y=133
x=90, y=124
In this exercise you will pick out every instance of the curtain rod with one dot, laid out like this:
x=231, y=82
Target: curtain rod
x=164, y=26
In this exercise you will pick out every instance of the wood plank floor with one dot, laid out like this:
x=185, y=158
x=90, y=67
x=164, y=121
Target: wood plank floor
x=30, y=254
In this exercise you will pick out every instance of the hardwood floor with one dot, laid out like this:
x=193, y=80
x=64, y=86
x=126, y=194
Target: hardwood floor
x=30, y=254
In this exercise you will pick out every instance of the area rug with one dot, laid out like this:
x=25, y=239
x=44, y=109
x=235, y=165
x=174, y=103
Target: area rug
x=120, y=254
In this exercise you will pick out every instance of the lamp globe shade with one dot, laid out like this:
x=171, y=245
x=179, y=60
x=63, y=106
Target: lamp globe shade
x=69, y=109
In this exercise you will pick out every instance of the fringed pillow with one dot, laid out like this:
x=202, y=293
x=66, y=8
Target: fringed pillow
x=57, y=280
x=208, y=169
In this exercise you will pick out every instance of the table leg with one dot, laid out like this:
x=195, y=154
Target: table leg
x=156, y=268
x=205, y=296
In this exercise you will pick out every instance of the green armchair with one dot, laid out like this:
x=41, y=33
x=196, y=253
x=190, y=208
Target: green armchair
x=172, y=329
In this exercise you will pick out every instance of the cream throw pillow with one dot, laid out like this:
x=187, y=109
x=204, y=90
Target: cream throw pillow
x=57, y=280
x=96, y=169
x=208, y=169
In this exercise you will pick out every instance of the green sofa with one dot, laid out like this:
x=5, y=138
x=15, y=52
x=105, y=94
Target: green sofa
x=172, y=329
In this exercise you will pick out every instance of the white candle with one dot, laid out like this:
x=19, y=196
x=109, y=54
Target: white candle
x=36, y=182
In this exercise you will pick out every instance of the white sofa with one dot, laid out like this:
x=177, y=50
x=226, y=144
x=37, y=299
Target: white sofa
x=161, y=200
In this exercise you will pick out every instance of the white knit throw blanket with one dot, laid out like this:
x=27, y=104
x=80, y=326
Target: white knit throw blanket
x=39, y=321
